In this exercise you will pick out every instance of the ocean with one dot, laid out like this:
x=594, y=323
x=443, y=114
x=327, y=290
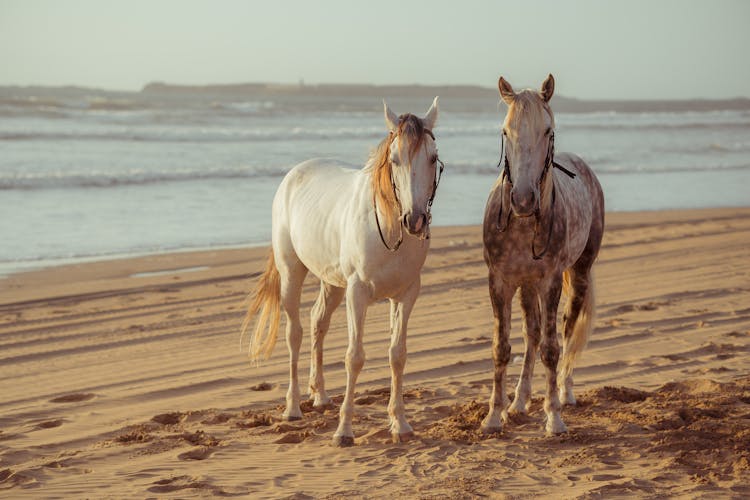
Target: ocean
x=89, y=174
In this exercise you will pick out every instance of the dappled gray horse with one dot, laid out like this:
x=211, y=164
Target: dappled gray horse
x=543, y=228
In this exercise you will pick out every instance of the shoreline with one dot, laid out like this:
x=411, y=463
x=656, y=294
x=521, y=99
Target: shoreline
x=136, y=386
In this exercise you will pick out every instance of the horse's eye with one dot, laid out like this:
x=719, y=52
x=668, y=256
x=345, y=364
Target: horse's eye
x=433, y=159
x=505, y=133
x=395, y=161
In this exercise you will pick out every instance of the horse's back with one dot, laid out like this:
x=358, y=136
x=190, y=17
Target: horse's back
x=314, y=188
x=318, y=175
x=307, y=212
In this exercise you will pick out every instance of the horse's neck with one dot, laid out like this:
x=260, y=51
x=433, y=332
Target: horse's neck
x=366, y=188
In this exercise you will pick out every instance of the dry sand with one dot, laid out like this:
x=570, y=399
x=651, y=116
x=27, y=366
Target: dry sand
x=124, y=385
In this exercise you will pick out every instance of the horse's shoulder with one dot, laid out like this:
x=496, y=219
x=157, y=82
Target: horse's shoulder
x=567, y=159
x=576, y=165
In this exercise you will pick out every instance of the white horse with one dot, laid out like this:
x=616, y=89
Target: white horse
x=346, y=227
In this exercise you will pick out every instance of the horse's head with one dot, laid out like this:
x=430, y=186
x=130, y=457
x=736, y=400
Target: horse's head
x=528, y=135
x=412, y=156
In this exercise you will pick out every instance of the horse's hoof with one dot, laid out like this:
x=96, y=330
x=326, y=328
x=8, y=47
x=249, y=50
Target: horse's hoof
x=403, y=437
x=321, y=407
x=290, y=418
x=343, y=441
x=568, y=399
x=493, y=422
x=553, y=429
x=491, y=429
x=515, y=410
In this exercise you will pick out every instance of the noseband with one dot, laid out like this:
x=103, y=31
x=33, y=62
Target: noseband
x=549, y=161
x=428, y=215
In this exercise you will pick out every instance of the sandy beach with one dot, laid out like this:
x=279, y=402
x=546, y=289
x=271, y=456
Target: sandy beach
x=125, y=379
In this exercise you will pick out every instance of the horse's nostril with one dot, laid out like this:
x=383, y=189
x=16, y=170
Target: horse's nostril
x=406, y=220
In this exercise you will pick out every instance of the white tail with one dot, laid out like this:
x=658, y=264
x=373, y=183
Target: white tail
x=266, y=301
x=576, y=343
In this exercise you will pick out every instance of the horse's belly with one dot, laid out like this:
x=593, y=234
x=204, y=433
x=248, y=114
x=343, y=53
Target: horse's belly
x=318, y=247
x=579, y=219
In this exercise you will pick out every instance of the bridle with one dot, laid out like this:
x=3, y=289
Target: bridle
x=428, y=215
x=549, y=162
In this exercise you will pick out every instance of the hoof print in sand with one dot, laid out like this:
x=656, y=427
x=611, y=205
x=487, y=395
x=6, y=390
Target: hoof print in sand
x=292, y=438
x=73, y=398
x=185, y=483
x=367, y=400
x=201, y=453
x=171, y=418
x=200, y=438
x=219, y=418
x=133, y=437
x=254, y=420
x=263, y=386
x=50, y=424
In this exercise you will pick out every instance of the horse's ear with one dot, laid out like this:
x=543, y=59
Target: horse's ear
x=430, y=119
x=391, y=120
x=548, y=88
x=506, y=91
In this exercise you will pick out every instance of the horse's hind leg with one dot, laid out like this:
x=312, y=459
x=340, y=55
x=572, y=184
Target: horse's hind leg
x=550, y=351
x=580, y=310
x=532, y=334
x=400, y=310
x=293, y=274
x=579, y=288
x=329, y=299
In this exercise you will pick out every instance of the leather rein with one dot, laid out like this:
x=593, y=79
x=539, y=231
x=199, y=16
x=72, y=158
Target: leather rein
x=548, y=162
x=428, y=215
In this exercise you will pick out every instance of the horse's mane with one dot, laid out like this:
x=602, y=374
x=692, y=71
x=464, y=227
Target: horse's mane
x=410, y=130
x=529, y=106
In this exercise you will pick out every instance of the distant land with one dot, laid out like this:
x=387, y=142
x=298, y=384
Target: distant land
x=561, y=103
x=458, y=97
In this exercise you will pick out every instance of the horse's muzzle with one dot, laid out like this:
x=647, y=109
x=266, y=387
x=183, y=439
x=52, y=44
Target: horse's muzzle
x=523, y=205
x=415, y=222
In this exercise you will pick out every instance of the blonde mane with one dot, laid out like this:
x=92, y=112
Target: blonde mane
x=410, y=130
x=528, y=106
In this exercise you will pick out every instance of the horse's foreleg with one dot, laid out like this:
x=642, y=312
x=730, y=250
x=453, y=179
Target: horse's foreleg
x=357, y=297
x=320, y=319
x=550, y=351
x=400, y=311
x=531, y=331
x=501, y=296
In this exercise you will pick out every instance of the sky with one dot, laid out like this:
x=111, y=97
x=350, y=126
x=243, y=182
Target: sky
x=596, y=49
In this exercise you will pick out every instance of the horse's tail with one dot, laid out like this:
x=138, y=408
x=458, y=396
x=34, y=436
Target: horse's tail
x=266, y=305
x=584, y=324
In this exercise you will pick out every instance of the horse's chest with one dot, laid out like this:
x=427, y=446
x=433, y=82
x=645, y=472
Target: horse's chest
x=513, y=258
x=388, y=277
